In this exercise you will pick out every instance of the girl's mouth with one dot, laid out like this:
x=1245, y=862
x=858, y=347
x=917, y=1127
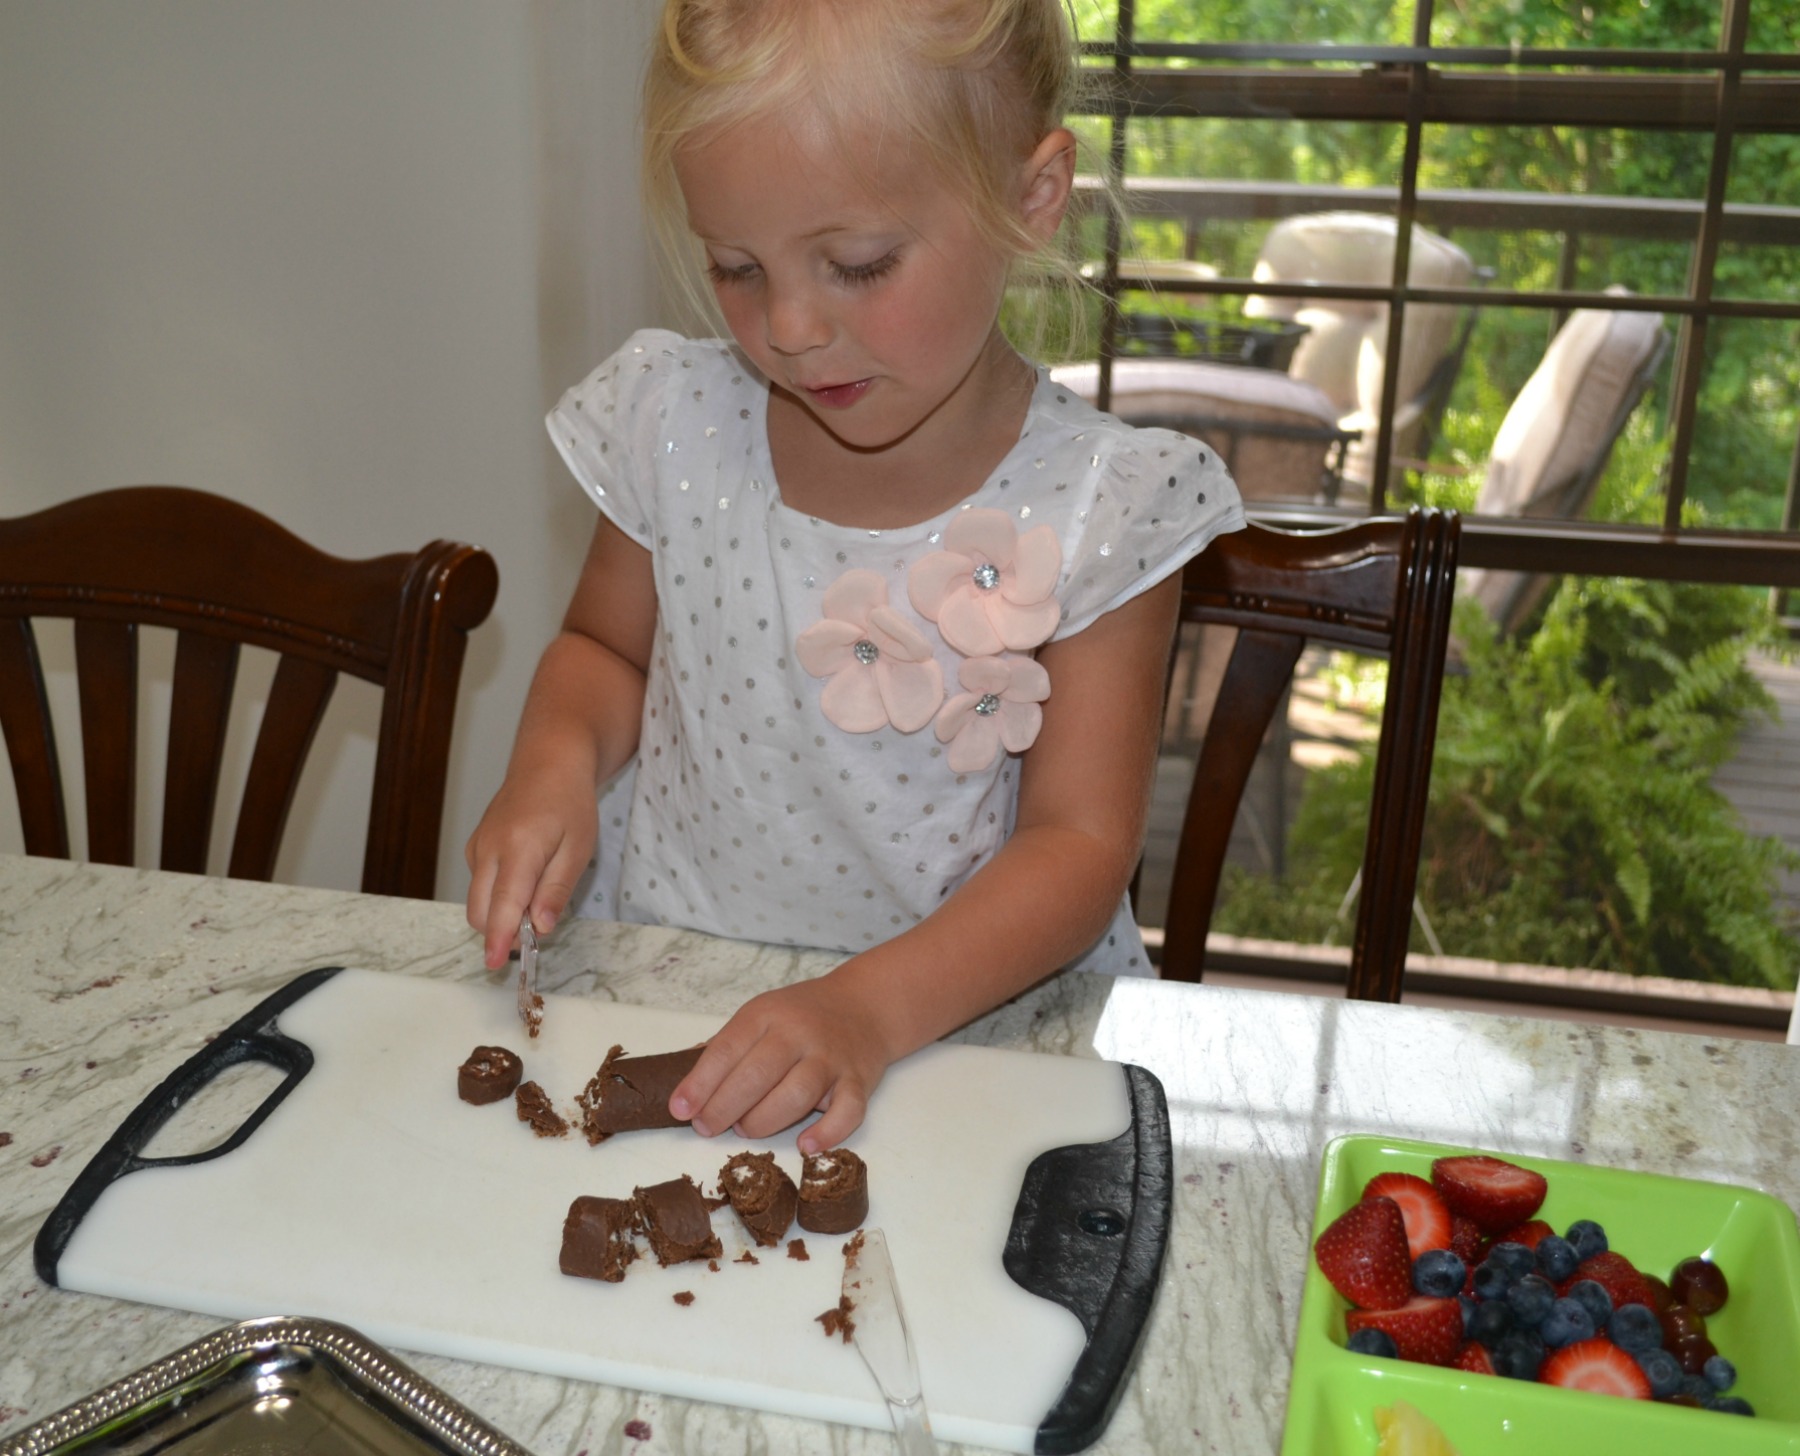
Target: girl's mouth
x=838, y=396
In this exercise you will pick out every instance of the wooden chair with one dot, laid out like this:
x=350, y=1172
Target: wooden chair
x=1382, y=587
x=223, y=575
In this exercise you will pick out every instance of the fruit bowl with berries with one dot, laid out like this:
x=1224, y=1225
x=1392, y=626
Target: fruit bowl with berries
x=1523, y=1302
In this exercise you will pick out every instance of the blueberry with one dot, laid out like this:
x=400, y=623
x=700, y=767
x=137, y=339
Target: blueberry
x=1493, y=1321
x=1556, y=1258
x=1519, y=1354
x=1531, y=1298
x=1734, y=1405
x=1662, y=1370
x=1697, y=1386
x=1492, y=1280
x=1371, y=1341
x=1516, y=1259
x=1567, y=1322
x=1634, y=1328
x=1469, y=1306
x=1587, y=1237
x=1592, y=1293
x=1720, y=1373
x=1438, y=1273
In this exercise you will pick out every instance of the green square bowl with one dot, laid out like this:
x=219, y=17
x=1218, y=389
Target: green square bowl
x=1655, y=1221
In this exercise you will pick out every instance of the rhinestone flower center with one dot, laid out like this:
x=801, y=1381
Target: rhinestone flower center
x=988, y=704
x=987, y=576
x=866, y=651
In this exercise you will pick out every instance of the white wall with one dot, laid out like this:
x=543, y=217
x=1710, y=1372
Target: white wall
x=333, y=258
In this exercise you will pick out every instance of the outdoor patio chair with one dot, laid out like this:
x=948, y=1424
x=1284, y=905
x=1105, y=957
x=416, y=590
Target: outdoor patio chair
x=1344, y=351
x=1558, y=434
x=1383, y=587
x=1277, y=435
x=224, y=576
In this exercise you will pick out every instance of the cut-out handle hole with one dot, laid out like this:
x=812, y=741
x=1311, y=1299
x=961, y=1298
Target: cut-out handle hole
x=1101, y=1221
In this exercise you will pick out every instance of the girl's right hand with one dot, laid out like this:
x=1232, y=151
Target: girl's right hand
x=527, y=853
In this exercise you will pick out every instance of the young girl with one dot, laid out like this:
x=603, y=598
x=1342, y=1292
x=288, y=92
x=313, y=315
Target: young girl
x=881, y=612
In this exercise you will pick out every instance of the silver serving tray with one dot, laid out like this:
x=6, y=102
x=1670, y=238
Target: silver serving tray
x=280, y=1386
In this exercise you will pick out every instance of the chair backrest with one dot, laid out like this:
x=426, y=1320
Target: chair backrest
x=223, y=576
x=1383, y=587
x=1553, y=445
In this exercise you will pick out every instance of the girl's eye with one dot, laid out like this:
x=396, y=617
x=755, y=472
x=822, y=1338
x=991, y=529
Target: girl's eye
x=724, y=277
x=854, y=273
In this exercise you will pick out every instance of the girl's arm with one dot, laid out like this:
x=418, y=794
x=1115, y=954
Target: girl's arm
x=1047, y=895
x=579, y=726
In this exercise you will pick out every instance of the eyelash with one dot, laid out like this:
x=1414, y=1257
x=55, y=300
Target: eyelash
x=852, y=275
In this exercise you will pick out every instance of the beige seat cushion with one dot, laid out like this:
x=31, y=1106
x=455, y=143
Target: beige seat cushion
x=1230, y=407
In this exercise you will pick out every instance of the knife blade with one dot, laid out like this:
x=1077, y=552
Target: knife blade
x=878, y=1328
x=531, y=1005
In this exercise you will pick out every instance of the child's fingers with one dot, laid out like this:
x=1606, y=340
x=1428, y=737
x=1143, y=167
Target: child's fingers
x=514, y=884
x=762, y=1066
x=804, y=1088
x=846, y=1107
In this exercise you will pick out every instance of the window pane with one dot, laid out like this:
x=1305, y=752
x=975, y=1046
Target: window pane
x=1774, y=26
x=1759, y=256
x=1616, y=24
x=1745, y=428
x=1340, y=22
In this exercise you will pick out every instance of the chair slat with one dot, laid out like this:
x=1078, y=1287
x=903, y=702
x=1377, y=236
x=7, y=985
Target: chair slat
x=297, y=700
x=31, y=742
x=106, y=673
x=205, y=672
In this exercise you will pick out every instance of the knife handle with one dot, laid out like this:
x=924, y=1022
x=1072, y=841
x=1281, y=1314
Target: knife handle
x=253, y=1037
x=914, y=1435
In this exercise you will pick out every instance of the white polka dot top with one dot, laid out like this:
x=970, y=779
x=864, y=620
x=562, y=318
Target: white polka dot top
x=833, y=716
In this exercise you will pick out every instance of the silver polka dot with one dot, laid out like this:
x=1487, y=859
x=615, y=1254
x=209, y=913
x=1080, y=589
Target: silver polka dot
x=866, y=652
x=986, y=576
x=987, y=705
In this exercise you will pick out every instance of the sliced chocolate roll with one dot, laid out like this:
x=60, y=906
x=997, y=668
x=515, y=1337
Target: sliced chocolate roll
x=834, y=1192
x=761, y=1194
x=535, y=1108
x=629, y=1094
x=490, y=1073
x=597, y=1238
x=673, y=1217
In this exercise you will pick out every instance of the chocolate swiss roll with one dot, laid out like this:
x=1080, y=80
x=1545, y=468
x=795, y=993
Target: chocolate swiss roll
x=761, y=1194
x=673, y=1217
x=834, y=1192
x=629, y=1094
x=597, y=1238
x=490, y=1074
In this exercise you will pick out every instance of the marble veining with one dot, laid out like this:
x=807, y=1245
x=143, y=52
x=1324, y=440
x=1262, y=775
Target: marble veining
x=111, y=977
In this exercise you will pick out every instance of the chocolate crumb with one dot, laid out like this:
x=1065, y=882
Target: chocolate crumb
x=797, y=1250
x=837, y=1321
x=535, y=1108
x=685, y=1298
x=44, y=1160
x=746, y=1258
x=638, y=1430
x=713, y=1264
x=5, y=1139
x=853, y=1250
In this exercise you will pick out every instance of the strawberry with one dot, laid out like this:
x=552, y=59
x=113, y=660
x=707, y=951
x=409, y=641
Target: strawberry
x=1465, y=1240
x=1363, y=1254
x=1427, y=1220
x=1597, y=1365
x=1531, y=1233
x=1474, y=1358
x=1422, y=1329
x=1495, y=1193
x=1615, y=1274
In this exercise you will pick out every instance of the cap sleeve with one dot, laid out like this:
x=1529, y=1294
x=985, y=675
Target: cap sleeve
x=605, y=429
x=1159, y=499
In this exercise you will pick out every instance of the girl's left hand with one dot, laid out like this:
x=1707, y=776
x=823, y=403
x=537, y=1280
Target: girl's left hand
x=815, y=1045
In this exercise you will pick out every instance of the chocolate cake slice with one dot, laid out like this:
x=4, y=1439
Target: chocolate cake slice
x=761, y=1194
x=490, y=1073
x=629, y=1094
x=673, y=1217
x=597, y=1238
x=834, y=1192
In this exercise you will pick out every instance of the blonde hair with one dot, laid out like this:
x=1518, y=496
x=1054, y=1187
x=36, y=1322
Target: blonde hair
x=975, y=85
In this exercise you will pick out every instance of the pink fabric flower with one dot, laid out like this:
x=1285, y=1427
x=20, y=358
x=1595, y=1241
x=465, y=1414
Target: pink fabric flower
x=880, y=666
x=990, y=590
x=998, y=709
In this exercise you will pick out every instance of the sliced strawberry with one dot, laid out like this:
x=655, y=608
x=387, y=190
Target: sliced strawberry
x=1616, y=1275
x=1597, y=1365
x=1427, y=1220
x=1495, y=1193
x=1465, y=1240
x=1474, y=1358
x=1363, y=1254
x=1531, y=1233
x=1422, y=1329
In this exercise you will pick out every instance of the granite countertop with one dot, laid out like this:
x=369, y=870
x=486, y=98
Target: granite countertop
x=113, y=976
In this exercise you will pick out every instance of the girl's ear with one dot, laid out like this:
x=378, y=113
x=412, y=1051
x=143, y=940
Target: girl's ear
x=1049, y=177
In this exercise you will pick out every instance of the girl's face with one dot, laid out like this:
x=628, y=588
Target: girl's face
x=866, y=293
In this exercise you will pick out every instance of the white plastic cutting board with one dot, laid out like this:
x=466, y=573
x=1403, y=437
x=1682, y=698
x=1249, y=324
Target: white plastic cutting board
x=374, y=1196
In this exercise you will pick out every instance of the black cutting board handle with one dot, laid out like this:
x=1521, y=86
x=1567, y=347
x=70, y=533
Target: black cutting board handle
x=1089, y=1232
x=251, y=1038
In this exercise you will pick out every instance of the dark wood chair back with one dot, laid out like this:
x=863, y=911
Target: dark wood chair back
x=222, y=576
x=1382, y=587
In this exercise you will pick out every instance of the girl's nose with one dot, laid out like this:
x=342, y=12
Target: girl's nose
x=795, y=322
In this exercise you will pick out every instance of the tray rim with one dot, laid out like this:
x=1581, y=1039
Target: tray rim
x=361, y=1359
